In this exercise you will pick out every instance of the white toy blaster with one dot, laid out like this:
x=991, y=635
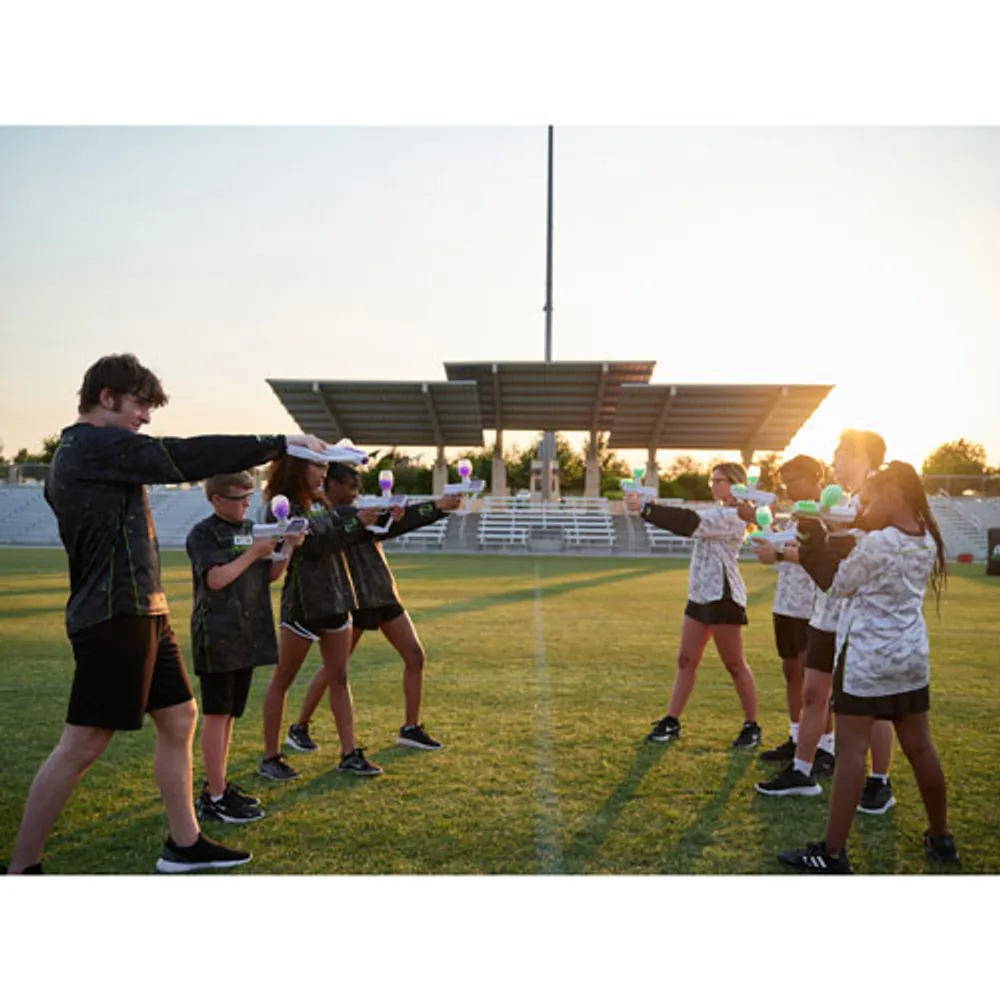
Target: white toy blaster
x=634, y=485
x=767, y=533
x=343, y=451
x=382, y=501
x=468, y=487
x=831, y=507
x=753, y=495
x=285, y=525
x=750, y=493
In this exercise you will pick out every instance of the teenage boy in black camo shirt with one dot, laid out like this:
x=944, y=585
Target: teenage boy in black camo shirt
x=127, y=660
x=232, y=630
x=378, y=608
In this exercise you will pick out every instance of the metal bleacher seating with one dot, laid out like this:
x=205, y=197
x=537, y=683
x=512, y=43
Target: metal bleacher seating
x=510, y=522
x=431, y=536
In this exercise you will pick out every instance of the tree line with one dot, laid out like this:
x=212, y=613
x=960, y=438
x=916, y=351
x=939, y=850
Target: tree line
x=684, y=478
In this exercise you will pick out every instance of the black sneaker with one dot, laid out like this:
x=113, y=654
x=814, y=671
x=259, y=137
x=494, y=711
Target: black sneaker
x=941, y=849
x=203, y=853
x=298, y=738
x=788, y=781
x=35, y=869
x=749, y=736
x=664, y=730
x=877, y=798
x=414, y=736
x=814, y=860
x=355, y=763
x=824, y=763
x=276, y=769
x=231, y=808
x=234, y=790
x=783, y=753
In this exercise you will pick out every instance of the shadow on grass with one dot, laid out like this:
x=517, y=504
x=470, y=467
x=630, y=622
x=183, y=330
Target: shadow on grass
x=529, y=593
x=581, y=850
x=53, y=609
x=699, y=833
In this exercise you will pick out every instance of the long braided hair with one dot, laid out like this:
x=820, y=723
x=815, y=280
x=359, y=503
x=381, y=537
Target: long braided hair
x=904, y=477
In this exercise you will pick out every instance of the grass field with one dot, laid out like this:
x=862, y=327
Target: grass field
x=543, y=678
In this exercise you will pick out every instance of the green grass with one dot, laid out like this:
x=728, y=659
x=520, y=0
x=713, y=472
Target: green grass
x=546, y=768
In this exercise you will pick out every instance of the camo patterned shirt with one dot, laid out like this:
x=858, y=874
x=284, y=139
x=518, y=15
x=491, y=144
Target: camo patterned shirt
x=882, y=583
x=374, y=584
x=231, y=628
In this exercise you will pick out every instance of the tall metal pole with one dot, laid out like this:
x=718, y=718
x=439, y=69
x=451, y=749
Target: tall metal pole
x=548, y=437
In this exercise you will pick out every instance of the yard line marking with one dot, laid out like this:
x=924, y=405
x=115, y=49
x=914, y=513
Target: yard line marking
x=548, y=840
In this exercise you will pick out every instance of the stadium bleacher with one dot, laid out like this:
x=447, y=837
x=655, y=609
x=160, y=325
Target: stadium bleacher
x=513, y=524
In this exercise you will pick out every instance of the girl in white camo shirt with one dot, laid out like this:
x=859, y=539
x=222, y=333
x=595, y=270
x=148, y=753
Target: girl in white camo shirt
x=883, y=659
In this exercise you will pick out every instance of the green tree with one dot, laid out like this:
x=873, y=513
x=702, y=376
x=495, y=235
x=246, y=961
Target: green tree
x=43, y=457
x=956, y=458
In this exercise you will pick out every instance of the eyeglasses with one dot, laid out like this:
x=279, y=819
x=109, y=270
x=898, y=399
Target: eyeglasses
x=239, y=499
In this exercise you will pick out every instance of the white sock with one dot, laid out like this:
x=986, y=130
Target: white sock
x=216, y=798
x=802, y=766
x=881, y=777
x=793, y=728
x=826, y=742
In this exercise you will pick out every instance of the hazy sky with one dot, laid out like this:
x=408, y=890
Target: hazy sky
x=864, y=257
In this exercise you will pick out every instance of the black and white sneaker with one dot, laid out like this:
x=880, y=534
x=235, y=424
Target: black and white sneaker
x=231, y=808
x=414, y=736
x=782, y=754
x=824, y=763
x=276, y=769
x=941, y=849
x=664, y=730
x=788, y=781
x=356, y=763
x=203, y=854
x=813, y=860
x=749, y=736
x=298, y=738
x=232, y=789
x=877, y=798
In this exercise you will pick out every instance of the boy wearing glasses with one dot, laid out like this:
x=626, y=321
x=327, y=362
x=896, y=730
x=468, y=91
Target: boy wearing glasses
x=232, y=631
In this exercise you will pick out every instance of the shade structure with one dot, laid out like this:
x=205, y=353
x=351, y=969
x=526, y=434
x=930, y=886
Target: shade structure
x=408, y=414
x=560, y=395
x=705, y=417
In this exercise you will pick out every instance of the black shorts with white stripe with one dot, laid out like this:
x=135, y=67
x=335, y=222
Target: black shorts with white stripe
x=313, y=628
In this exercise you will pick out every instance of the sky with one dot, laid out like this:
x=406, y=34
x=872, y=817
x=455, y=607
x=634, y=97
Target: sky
x=862, y=257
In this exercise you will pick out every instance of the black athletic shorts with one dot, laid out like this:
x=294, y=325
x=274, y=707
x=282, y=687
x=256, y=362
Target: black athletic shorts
x=371, y=619
x=821, y=651
x=225, y=693
x=791, y=636
x=724, y=611
x=313, y=628
x=125, y=667
x=888, y=706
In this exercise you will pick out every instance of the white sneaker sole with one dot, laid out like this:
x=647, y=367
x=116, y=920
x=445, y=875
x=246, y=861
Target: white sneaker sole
x=166, y=867
x=300, y=749
x=230, y=819
x=881, y=811
x=402, y=741
x=806, y=790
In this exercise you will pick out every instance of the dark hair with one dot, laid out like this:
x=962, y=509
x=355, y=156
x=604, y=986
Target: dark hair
x=339, y=472
x=870, y=444
x=904, y=477
x=287, y=475
x=216, y=486
x=122, y=374
x=802, y=465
